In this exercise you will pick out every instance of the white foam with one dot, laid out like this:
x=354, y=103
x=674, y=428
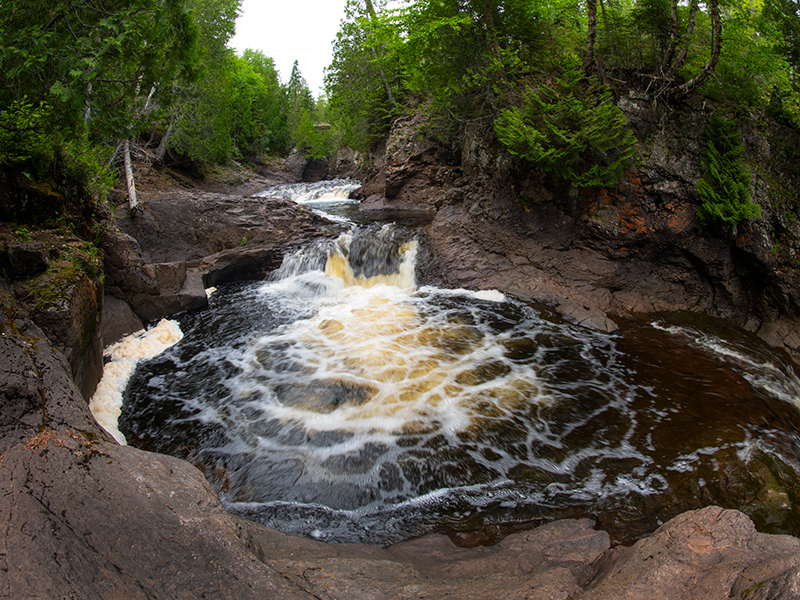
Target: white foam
x=487, y=295
x=106, y=404
x=781, y=383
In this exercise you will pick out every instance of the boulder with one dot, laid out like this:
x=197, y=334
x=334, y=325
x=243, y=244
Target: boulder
x=712, y=553
x=118, y=320
x=161, y=260
x=27, y=258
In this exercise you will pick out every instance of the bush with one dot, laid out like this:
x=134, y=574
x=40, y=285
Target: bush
x=24, y=143
x=583, y=138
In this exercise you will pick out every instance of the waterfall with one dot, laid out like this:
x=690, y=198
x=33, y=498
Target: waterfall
x=339, y=399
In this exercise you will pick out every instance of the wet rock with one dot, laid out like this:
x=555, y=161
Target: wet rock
x=347, y=163
x=710, y=553
x=410, y=172
x=239, y=264
x=296, y=164
x=161, y=259
x=28, y=258
x=316, y=170
x=84, y=517
x=180, y=289
x=72, y=323
x=118, y=320
x=65, y=300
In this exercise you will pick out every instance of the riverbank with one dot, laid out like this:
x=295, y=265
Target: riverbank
x=635, y=248
x=84, y=517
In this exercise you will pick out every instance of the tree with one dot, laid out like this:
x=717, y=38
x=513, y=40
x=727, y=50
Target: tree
x=200, y=124
x=365, y=76
x=87, y=73
x=724, y=188
x=576, y=135
x=94, y=64
x=304, y=134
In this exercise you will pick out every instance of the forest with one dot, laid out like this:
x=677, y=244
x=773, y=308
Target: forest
x=84, y=80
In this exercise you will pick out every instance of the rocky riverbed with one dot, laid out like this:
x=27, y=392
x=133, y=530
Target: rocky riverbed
x=83, y=517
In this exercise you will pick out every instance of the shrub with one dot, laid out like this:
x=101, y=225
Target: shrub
x=579, y=137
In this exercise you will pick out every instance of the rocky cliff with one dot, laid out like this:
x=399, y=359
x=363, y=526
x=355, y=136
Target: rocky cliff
x=632, y=249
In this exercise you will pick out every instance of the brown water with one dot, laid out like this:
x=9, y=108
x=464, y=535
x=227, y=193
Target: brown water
x=343, y=402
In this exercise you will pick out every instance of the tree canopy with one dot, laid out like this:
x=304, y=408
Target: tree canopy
x=545, y=74
x=81, y=76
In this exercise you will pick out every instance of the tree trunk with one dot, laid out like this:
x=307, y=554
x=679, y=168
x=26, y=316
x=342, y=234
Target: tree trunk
x=681, y=58
x=133, y=204
x=716, y=46
x=673, y=37
x=161, y=151
x=591, y=35
x=373, y=16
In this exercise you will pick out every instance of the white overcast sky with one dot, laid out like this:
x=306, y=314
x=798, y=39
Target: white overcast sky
x=289, y=30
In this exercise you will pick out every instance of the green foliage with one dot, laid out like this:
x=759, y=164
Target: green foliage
x=365, y=69
x=724, y=188
x=77, y=77
x=203, y=117
x=90, y=64
x=752, y=66
x=303, y=114
x=577, y=137
x=24, y=142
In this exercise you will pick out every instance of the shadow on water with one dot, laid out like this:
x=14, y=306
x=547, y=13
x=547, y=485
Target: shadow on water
x=352, y=407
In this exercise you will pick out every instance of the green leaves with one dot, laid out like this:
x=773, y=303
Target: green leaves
x=724, y=188
x=23, y=134
x=572, y=135
x=90, y=62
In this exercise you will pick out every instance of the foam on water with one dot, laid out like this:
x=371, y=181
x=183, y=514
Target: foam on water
x=122, y=357
x=779, y=381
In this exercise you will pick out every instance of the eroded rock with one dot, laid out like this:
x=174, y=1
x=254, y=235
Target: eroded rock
x=711, y=554
x=82, y=517
x=161, y=260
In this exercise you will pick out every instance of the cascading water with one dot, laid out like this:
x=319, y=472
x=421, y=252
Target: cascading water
x=339, y=400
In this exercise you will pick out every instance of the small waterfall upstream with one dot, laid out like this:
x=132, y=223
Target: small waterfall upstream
x=342, y=401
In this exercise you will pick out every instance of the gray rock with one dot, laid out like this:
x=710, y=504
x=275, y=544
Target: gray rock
x=27, y=258
x=161, y=259
x=118, y=320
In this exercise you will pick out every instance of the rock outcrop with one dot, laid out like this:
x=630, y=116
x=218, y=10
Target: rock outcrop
x=634, y=248
x=161, y=260
x=82, y=517
x=58, y=278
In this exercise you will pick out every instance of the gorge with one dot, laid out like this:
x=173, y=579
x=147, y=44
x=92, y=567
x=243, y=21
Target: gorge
x=116, y=520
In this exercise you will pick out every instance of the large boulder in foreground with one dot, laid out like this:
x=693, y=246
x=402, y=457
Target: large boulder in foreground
x=82, y=517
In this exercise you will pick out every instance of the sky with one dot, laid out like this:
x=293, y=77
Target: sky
x=289, y=30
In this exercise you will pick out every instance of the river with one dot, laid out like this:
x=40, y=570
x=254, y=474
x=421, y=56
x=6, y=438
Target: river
x=344, y=400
